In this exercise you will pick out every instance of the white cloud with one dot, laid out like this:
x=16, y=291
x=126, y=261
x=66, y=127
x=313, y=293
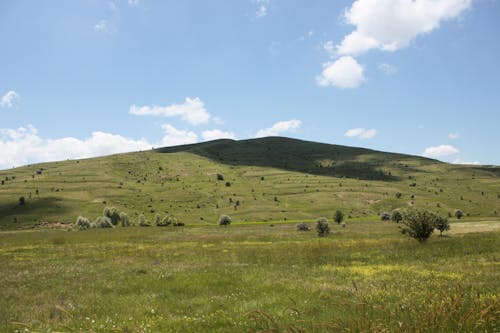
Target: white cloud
x=217, y=134
x=175, y=137
x=192, y=110
x=24, y=145
x=361, y=133
x=344, y=73
x=454, y=136
x=390, y=25
x=278, y=128
x=9, y=99
x=440, y=151
x=133, y=2
x=104, y=26
x=387, y=69
x=262, y=8
x=460, y=161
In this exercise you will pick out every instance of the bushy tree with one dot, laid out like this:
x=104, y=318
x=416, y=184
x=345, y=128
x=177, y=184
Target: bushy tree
x=124, y=219
x=419, y=224
x=441, y=224
x=396, y=216
x=322, y=227
x=303, y=227
x=143, y=222
x=82, y=223
x=103, y=222
x=459, y=214
x=385, y=216
x=112, y=213
x=224, y=220
x=339, y=216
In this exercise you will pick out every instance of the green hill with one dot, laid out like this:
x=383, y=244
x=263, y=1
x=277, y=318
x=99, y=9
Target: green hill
x=266, y=179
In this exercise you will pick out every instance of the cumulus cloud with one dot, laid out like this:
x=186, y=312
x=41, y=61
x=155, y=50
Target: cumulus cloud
x=454, y=135
x=192, y=110
x=262, y=8
x=460, y=161
x=9, y=99
x=387, y=69
x=102, y=26
x=278, y=128
x=215, y=134
x=175, y=137
x=440, y=151
x=23, y=145
x=344, y=73
x=390, y=25
x=361, y=133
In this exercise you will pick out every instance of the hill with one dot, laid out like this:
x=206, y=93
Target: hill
x=264, y=179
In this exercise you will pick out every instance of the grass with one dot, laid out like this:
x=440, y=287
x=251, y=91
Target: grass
x=272, y=178
x=366, y=277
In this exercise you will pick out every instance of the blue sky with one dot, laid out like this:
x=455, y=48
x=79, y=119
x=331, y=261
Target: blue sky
x=89, y=78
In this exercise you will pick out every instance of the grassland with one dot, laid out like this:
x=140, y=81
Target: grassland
x=271, y=179
x=366, y=277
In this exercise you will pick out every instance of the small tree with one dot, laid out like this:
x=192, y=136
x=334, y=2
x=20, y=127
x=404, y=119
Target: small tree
x=322, y=227
x=441, y=224
x=303, y=227
x=22, y=201
x=224, y=220
x=82, y=223
x=143, y=222
x=459, y=214
x=385, y=216
x=338, y=217
x=418, y=224
x=396, y=216
x=124, y=219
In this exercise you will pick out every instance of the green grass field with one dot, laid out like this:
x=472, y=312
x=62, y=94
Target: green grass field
x=270, y=178
x=366, y=277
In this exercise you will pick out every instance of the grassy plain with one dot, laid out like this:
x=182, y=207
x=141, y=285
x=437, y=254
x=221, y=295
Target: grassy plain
x=366, y=277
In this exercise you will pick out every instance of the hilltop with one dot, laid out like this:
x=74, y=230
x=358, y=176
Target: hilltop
x=267, y=179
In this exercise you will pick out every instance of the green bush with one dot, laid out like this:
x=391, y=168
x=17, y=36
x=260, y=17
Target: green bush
x=385, y=216
x=165, y=221
x=441, y=224
x=124, y=219
x=338, y=217
x=82, y=223
x=143, y=222
x=224, y=220
x=103, y=222
x=303, y=227
x=396, y=216
x=419, y=224
x=113, y=214
x=322, y=227
x=459, y=214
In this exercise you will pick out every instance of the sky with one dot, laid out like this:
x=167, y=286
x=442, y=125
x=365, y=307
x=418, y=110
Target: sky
x=86, y=78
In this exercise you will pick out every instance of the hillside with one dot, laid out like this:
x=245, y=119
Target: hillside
x=270, y=179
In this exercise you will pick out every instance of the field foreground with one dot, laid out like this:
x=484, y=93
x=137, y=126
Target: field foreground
x=251, y=277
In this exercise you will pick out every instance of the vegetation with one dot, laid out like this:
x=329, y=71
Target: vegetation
x=302, y=227
x=224, y=220
x=339, y=216
x=142, y=221
x=82, y=223
x=459, y=214
x=322, y=227
x=419, y=224
x=396, y=216
x=441, y=224
x=385, y=216
x=103, y=222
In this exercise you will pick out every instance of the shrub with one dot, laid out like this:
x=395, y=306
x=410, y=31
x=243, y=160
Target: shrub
x=124, y=219
x=143, y=222
x=322, y=227
x=22, y=201
x=441, y=224
x=419, y=224
x=220, y=177
x=82, y=223
x=303, y=227
x=338, y=217
x=459, y=214
x=396, y=216
x=165, y=221
x=103, y=222
x=157, y=220
x=113, y=214
x=178, y=224
x=228, y=184
x=398, y=195
x=385, y=216
x=224, y=220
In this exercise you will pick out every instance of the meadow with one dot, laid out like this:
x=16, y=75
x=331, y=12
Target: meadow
x=247, y=277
